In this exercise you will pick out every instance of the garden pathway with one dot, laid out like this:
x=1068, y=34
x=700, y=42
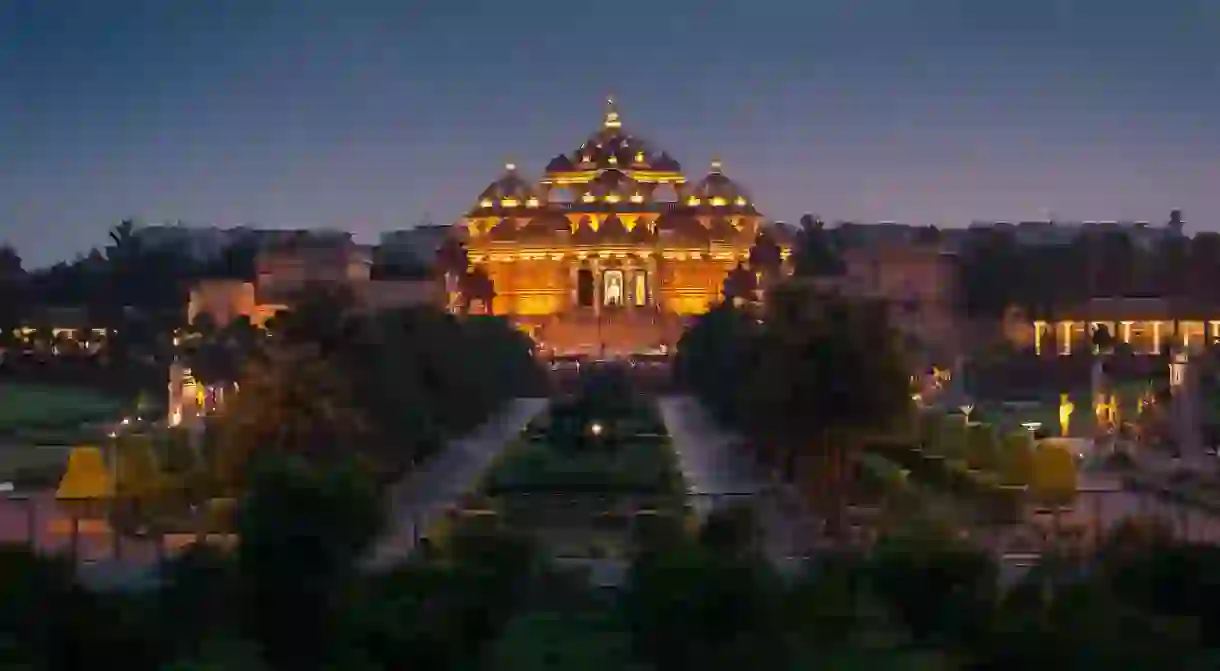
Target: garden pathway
x=424, y=495
x=718, y=476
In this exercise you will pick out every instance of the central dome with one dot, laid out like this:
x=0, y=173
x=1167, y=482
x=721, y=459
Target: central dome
x=612, y=148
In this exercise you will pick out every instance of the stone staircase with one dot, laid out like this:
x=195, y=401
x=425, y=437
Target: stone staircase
x=620, y=332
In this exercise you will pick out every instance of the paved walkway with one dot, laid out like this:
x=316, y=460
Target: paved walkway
x=427, y=493
x=718, y=476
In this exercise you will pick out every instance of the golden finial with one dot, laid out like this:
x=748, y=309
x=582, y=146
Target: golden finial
x=612, y=120
x=717, y=165
x=510, y=166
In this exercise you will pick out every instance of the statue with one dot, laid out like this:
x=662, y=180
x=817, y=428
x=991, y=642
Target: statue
x=1103, y=401
x=1065, y=413
x=1183, y=386
x=614, y=288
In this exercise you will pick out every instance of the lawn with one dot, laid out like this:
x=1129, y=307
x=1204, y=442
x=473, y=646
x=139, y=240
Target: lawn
x=580, y=490
x=635, y=466
x=37, y=425
x=25, y=406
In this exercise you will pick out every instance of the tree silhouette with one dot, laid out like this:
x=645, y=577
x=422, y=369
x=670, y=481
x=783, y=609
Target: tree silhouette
x=739, y=286
x=815, y=252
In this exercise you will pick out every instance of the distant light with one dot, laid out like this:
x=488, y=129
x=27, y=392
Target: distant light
x=126, y=421
x=596, y=429
x=1032, y=426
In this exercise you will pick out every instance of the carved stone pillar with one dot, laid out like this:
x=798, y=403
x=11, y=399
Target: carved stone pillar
x=574, y=284
x=596, y=267
x=652, y=279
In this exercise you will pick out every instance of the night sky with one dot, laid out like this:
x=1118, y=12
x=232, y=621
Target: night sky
x=371, y=115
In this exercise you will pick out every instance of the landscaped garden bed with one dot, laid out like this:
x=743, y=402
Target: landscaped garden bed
x=581, y=475
x=995, y=478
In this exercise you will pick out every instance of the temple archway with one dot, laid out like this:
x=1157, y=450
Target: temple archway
x=584, y=288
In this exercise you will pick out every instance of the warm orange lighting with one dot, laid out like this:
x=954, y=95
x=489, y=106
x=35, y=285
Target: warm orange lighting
x=536, y=263
x=486, y=202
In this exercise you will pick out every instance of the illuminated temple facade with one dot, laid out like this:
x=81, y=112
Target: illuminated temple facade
x=612, y=248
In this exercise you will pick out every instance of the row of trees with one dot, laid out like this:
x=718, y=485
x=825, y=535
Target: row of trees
x=292, y=597
x=997, y=271
x=326, y=382
x=127, y=286
x=808, y=377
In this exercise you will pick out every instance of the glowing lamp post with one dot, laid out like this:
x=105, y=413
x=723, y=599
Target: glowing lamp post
x=1177, y=370
x=966, y=409
x=1065, y=413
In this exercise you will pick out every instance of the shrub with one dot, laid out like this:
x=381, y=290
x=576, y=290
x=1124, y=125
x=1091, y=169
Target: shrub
x=1054, y=473
x=981, y=446
x=1017, y=458
x=930, y=432
x=953, y=437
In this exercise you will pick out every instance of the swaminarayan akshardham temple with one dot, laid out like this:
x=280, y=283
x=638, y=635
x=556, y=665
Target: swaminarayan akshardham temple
x=612, y=247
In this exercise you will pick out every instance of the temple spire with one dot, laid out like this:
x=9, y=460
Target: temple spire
x=612, y=120
x=717, y=166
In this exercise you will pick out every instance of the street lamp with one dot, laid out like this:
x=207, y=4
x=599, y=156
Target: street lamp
x=1177, y=369
x=596, y=429
x=966, y=409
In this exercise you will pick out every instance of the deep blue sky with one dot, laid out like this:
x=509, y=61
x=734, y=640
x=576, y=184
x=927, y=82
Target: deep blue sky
x=367, y=115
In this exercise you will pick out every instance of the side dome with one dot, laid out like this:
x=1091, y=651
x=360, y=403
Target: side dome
x=560, y=163
x=510, y=190
x=718, y=189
